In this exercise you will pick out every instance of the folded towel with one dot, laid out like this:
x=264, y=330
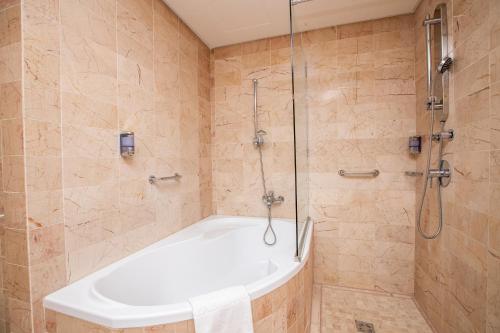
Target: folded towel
x=224, y=311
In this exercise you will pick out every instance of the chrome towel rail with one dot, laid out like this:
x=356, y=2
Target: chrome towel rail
x=414, y=173
x=373, y=173
x=153, y=179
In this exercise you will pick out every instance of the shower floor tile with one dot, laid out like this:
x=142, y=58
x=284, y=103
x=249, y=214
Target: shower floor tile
x=335, y=310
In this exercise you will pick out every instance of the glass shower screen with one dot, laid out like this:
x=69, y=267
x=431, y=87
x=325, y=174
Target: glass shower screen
x=300, y=127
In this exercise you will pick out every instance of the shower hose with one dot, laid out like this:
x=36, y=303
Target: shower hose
x=269, y=228
x=427, y=180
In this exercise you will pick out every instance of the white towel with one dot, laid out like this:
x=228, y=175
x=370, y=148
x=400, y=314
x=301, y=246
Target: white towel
x=224, y=311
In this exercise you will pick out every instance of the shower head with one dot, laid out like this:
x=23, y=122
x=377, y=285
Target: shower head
x=445, y=64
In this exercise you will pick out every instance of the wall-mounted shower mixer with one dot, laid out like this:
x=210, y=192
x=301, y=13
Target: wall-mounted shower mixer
x=258, y=139
x=270, y=199
x=443, y=174
x=438, y=66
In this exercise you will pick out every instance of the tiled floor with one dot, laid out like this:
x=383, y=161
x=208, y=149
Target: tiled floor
x=336, y=309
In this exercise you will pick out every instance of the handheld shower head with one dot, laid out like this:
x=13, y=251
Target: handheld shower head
x=445, y=64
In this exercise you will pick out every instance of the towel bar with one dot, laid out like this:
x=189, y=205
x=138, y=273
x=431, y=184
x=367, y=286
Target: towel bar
x=414, y=173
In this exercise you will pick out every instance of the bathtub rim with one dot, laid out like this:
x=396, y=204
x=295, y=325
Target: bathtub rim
x=144, y=316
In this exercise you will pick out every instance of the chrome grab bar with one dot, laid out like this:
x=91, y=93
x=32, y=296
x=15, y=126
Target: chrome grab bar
x=153, y=179
x=373, y=173
x=414, y=173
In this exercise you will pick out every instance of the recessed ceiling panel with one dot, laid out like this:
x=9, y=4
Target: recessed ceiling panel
x=224, y=22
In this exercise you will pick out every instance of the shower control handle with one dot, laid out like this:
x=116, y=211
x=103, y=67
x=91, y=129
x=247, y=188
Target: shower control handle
x=437, y=173
x=269, y=199
x=445, y=135
x=443, y=174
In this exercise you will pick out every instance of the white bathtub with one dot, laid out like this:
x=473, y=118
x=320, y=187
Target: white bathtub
x=152, y=286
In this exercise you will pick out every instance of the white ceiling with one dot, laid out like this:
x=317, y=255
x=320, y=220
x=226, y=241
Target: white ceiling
x=224, y=22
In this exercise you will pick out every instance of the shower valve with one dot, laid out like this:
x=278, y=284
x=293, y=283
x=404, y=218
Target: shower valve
x=445, y=135
x=258, y=140
x=269, y=199
x=443, y=174
x=433, y=173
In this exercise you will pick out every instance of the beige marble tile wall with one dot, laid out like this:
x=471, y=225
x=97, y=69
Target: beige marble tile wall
x=457, y=280
x=15, y=295
x=362, y=110
x=236, y=168
x=91, y=70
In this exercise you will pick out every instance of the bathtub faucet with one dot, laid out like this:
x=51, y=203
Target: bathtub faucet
x=269, y=199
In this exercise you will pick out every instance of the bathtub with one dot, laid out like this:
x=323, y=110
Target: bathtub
x=152, y=286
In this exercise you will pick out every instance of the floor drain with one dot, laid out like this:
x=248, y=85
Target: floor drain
x=364, y=327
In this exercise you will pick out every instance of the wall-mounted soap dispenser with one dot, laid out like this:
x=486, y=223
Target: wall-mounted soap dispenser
x=127, y=144
x=415, y=145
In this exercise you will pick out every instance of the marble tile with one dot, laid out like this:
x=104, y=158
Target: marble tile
x=89, y=142
x=46, y=243
x=12, y=137
x=82, y=171
x=341, y=307
x=79, y=110
x=88, y=67
x=43, y=173
x=42, y=103
x=16, y=247
x=10, y=63
x=47, y=277
x=8, y=3
x=467, y=17
x=88, y=203
x=16, y=282
x=44, y=208
x=19, y=316
x=41, y=67
x=135, y=18
x=10, y=104
x=42, y=138
x=473, y=78
x=92, y=21
x=14, y=210
x=13, y=174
